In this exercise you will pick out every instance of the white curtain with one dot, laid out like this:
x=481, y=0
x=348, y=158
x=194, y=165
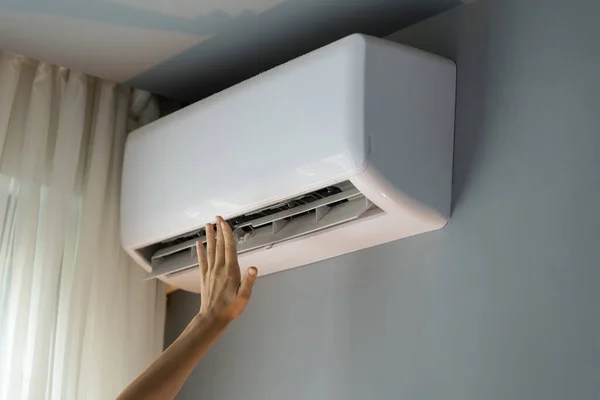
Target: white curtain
x=77, y=321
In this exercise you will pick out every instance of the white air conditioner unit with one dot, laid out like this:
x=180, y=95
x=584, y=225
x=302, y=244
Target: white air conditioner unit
x=344, y=148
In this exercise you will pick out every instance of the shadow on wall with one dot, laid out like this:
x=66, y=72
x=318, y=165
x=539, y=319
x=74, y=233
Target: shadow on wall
x=275, y=36
x=471, y=101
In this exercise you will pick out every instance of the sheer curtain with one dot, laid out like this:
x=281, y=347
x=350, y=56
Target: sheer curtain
x=77, y=321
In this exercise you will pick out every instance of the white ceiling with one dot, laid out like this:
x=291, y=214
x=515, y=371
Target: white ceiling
x=188, y=49
x=100, y=48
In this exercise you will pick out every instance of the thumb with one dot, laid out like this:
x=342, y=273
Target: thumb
x=245, y=289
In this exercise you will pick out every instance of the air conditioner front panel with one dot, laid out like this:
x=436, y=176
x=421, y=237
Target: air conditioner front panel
x=286, y=132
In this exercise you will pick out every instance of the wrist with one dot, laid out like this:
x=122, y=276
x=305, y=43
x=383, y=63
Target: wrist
x=207, y=319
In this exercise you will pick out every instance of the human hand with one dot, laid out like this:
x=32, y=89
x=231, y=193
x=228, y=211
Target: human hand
x=223, y=292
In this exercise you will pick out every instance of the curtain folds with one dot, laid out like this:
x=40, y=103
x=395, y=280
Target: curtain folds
x=76, y=319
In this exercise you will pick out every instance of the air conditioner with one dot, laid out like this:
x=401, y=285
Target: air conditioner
x=344, y=148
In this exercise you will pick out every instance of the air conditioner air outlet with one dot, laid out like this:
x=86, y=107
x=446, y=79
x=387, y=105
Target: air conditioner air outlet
x=297, y=217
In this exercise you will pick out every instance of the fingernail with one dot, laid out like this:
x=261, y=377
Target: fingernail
x=252, y=271
x=208, y=227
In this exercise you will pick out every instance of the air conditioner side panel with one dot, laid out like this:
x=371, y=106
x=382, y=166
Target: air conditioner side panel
x=285, y=132
x=409, y=116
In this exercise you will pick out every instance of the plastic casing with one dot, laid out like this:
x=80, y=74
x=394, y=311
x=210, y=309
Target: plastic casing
x=367, y=110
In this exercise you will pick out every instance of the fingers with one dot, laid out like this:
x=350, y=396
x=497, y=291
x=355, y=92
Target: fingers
x=202, y=261
x=210, y=245
x=230, y=248
x=245, y=289
x=220, y=253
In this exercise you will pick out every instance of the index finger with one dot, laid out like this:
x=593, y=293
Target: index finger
x=202, y=262
x=201, y=253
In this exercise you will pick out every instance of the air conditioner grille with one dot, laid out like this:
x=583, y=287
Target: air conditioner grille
x=295, y=217
x=283, y=206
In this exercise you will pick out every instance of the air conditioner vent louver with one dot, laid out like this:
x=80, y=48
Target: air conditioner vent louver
x=246, y=220
x=290, y=219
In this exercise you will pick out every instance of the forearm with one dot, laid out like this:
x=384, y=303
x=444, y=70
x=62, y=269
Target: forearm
x=166, y=375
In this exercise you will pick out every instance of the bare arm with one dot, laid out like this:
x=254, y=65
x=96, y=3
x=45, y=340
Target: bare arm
x=224, y=295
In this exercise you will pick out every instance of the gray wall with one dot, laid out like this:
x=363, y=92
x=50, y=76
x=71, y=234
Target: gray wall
x=503, y=303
